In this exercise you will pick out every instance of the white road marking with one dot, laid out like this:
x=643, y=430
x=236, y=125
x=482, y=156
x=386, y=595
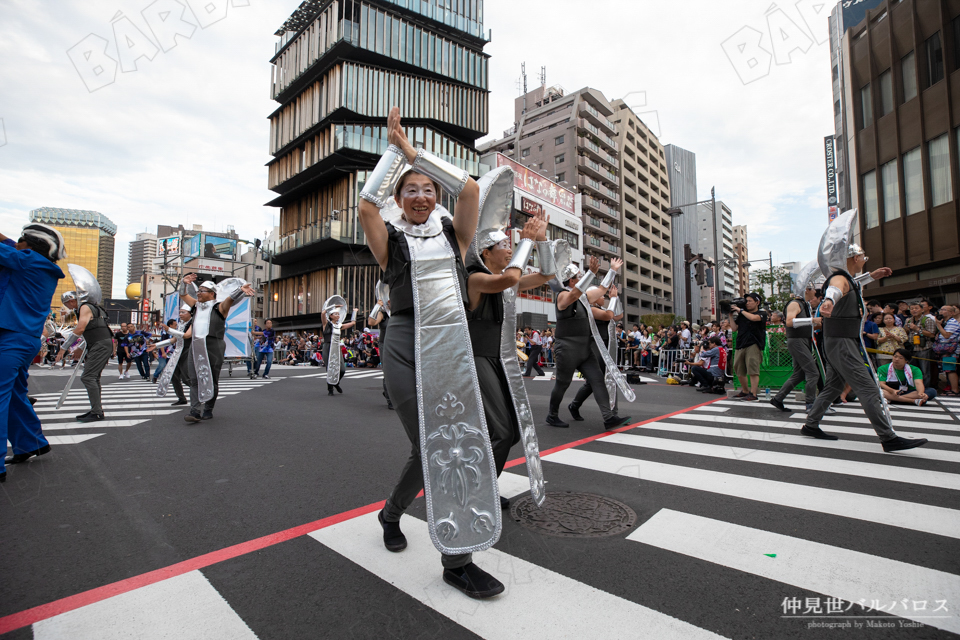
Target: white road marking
x=906, y=424
x=811, y=566
x=103, y=424
x=74, y=439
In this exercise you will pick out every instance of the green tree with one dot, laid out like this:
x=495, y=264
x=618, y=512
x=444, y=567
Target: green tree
x=780, y=282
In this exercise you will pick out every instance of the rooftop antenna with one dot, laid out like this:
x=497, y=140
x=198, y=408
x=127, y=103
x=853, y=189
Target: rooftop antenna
x=543, y=77
x=523, y=73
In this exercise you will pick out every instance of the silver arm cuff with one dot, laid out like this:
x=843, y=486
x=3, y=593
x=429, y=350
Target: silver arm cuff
x=353, y=316
x=452, y=179
x=612, y=305
x=376, y=309
x=69, y=339
x=521, y=255
x=237, y=294
x=383, y=179
x=175, y=333
x=863, y=278
x=163, y=343
x=188, y=289
x=584, y=283
x=608, y=279
x=833, y=294
x=802, y=322
x=548, y=263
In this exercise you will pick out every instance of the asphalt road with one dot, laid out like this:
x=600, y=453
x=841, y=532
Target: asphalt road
x=259, y=523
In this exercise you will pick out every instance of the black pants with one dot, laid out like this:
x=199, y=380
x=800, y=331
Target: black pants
x=534, y=360
x=585, y=390
x=706, y=379
x=574, y=354
x=181, y=374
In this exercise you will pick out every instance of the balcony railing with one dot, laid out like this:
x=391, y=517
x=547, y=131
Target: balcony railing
x=593, y=147
x=600, y=207
x=597, y=169
x=599, y=118
x=610, y=142
x=345, y=229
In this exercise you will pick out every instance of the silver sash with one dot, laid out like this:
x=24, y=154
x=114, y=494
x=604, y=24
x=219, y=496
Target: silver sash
x=333, y=355
x=518, y=392
x=613, y=378
x=171, y=367
x=76, y=369
x=201, y=361
x=460, y=478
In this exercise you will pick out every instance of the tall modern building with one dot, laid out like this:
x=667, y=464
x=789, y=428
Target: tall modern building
x=89, y=239
x=682, y=169
x=571, y=137
x=140, y=256
x=715, y=237
x=742, y=256
x=339, y=66
x=645, y=231
x=899, y=82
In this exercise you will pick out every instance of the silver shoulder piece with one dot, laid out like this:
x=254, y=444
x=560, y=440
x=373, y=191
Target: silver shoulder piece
x=383, y=179
x=584, y=282
x=447, y=175
x=496, y=205
x=832, y=253
x=863, y=278
x=608, y=279
x=833, y=294
x=231, y=288
x=546, y=258
x=521, y=255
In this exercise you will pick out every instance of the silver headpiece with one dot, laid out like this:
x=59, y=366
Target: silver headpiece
x=87, y=287
x=208, y=284
x=835, y=243
x=335, y=304
x=225, y=288
x=809, y=273
x=67, y=296
x=56, y=249
x=855, y=250
x=496, y=205
x=185, y=307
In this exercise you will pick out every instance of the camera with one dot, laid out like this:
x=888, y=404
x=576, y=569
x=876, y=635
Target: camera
x=725, y=305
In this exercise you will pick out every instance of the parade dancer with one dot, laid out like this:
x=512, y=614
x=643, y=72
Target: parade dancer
x=331, y=318
x=843, y=336
x=495, y=275
x=603, y=314
x=573, y=345
x=29, y=273
x=428, y=361
x=181, y=367
x=800, y=322
x=93, y=326
x=380, y=318
x=210, y=308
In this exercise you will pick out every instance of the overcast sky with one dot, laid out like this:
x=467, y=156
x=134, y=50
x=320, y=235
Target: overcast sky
x=182, y=137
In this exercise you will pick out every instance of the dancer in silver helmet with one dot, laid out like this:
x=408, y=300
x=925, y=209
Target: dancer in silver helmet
x=332, y=319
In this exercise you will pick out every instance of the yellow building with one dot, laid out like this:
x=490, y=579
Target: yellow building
x=89, y=239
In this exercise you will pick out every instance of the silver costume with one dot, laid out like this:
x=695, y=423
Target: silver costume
x=171, y=367
x=87, y=290
x=333, y=356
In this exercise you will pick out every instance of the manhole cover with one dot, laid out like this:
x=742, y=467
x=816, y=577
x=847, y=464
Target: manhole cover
x=574, y=515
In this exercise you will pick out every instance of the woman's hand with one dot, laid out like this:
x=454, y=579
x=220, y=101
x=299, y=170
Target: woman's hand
x=396, y=135
x=530, y=229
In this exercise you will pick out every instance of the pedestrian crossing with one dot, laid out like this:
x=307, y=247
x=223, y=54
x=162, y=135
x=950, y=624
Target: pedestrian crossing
x=125, y=404
x=350, y=374
x=730, y=453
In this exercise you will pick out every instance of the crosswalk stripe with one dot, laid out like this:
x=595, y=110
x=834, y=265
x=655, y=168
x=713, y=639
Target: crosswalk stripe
x=357, y=376
x=812, y=566
x=108, y=401
x=712, y=409
x=795, y=426
x=73, y=439
x=780, y=438
x=537, y=602
x=512, y=484
x=103, y=424
x=888, y=472
x=855, y=408
x=886, y=511
x=47, y=416
x=186, y=606
x=909, y=424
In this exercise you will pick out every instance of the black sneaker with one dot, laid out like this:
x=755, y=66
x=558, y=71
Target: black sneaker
x=555, y=421
x=902, y=444
x=393, y=538
x=616, y=421
x=178, y=403
x=192, y=417
x=3, y=477
x=473, y=581
x=17, y=458
x=504, y=503
x=778, y=404
x=575, y=412
x=816, y=432
x=749, y=398
x=90, y=417
x=207, y=415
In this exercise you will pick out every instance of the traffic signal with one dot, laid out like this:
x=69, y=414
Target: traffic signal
x=710, y=277
x=700, y=276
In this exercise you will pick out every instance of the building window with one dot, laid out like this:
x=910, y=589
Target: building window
x=870, y=212
x=525, y=152
x=558, y=140
x=558, y=159
x=561, y=177
x=908, y=71
x=866, y=106
x=891, y=191
x=934, y=59
x=913, y=181
x=886, y=93
x=938, y=152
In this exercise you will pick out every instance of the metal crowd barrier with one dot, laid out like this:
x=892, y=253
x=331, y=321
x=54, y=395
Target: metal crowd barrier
x=671, y=362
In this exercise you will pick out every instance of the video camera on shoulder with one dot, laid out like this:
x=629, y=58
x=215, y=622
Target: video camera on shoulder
x=726, y=305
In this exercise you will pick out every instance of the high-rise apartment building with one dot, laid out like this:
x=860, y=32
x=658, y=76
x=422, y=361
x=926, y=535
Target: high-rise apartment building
x=682, y=171
x=89, y=239
x=339, y=66
x=571, y=137
x=647, y=285
x=898, y=76
x=742, y=256
x=140, y=256
x=715, y=237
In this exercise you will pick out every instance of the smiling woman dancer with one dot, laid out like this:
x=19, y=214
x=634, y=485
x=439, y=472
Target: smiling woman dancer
x=332, y=328
x=429, y=365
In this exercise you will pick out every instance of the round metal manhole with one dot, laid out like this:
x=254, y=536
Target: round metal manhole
x=574, y=515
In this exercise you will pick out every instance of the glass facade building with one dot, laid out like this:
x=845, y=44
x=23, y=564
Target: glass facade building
x=339, y=66
x=89, y=239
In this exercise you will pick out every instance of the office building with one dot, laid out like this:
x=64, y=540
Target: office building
x=89, y=239
x=647, y=285
x=715, y=242
x=682, y=170
x=898, y=78
x=742, y=256
x=339, y=66
x=140, y=256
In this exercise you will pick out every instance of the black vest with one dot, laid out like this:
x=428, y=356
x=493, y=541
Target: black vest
x=486, y=322
x=844, y=320
x=802, y=332
x=397, y=274
x=97, y=329
x=572, y=321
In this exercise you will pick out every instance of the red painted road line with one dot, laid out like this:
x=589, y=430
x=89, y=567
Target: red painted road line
x=70, y=603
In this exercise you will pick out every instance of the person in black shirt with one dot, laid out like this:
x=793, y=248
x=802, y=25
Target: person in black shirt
x=123, y=350
x=751, y=340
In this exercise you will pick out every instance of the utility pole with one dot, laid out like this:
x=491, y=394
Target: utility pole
x=687, y=259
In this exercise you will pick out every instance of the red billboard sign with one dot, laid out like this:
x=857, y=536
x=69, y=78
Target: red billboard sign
x=535, y=184
x=530, y=207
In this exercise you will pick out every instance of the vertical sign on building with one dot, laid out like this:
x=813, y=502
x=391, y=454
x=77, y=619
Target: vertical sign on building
x=833, y=208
